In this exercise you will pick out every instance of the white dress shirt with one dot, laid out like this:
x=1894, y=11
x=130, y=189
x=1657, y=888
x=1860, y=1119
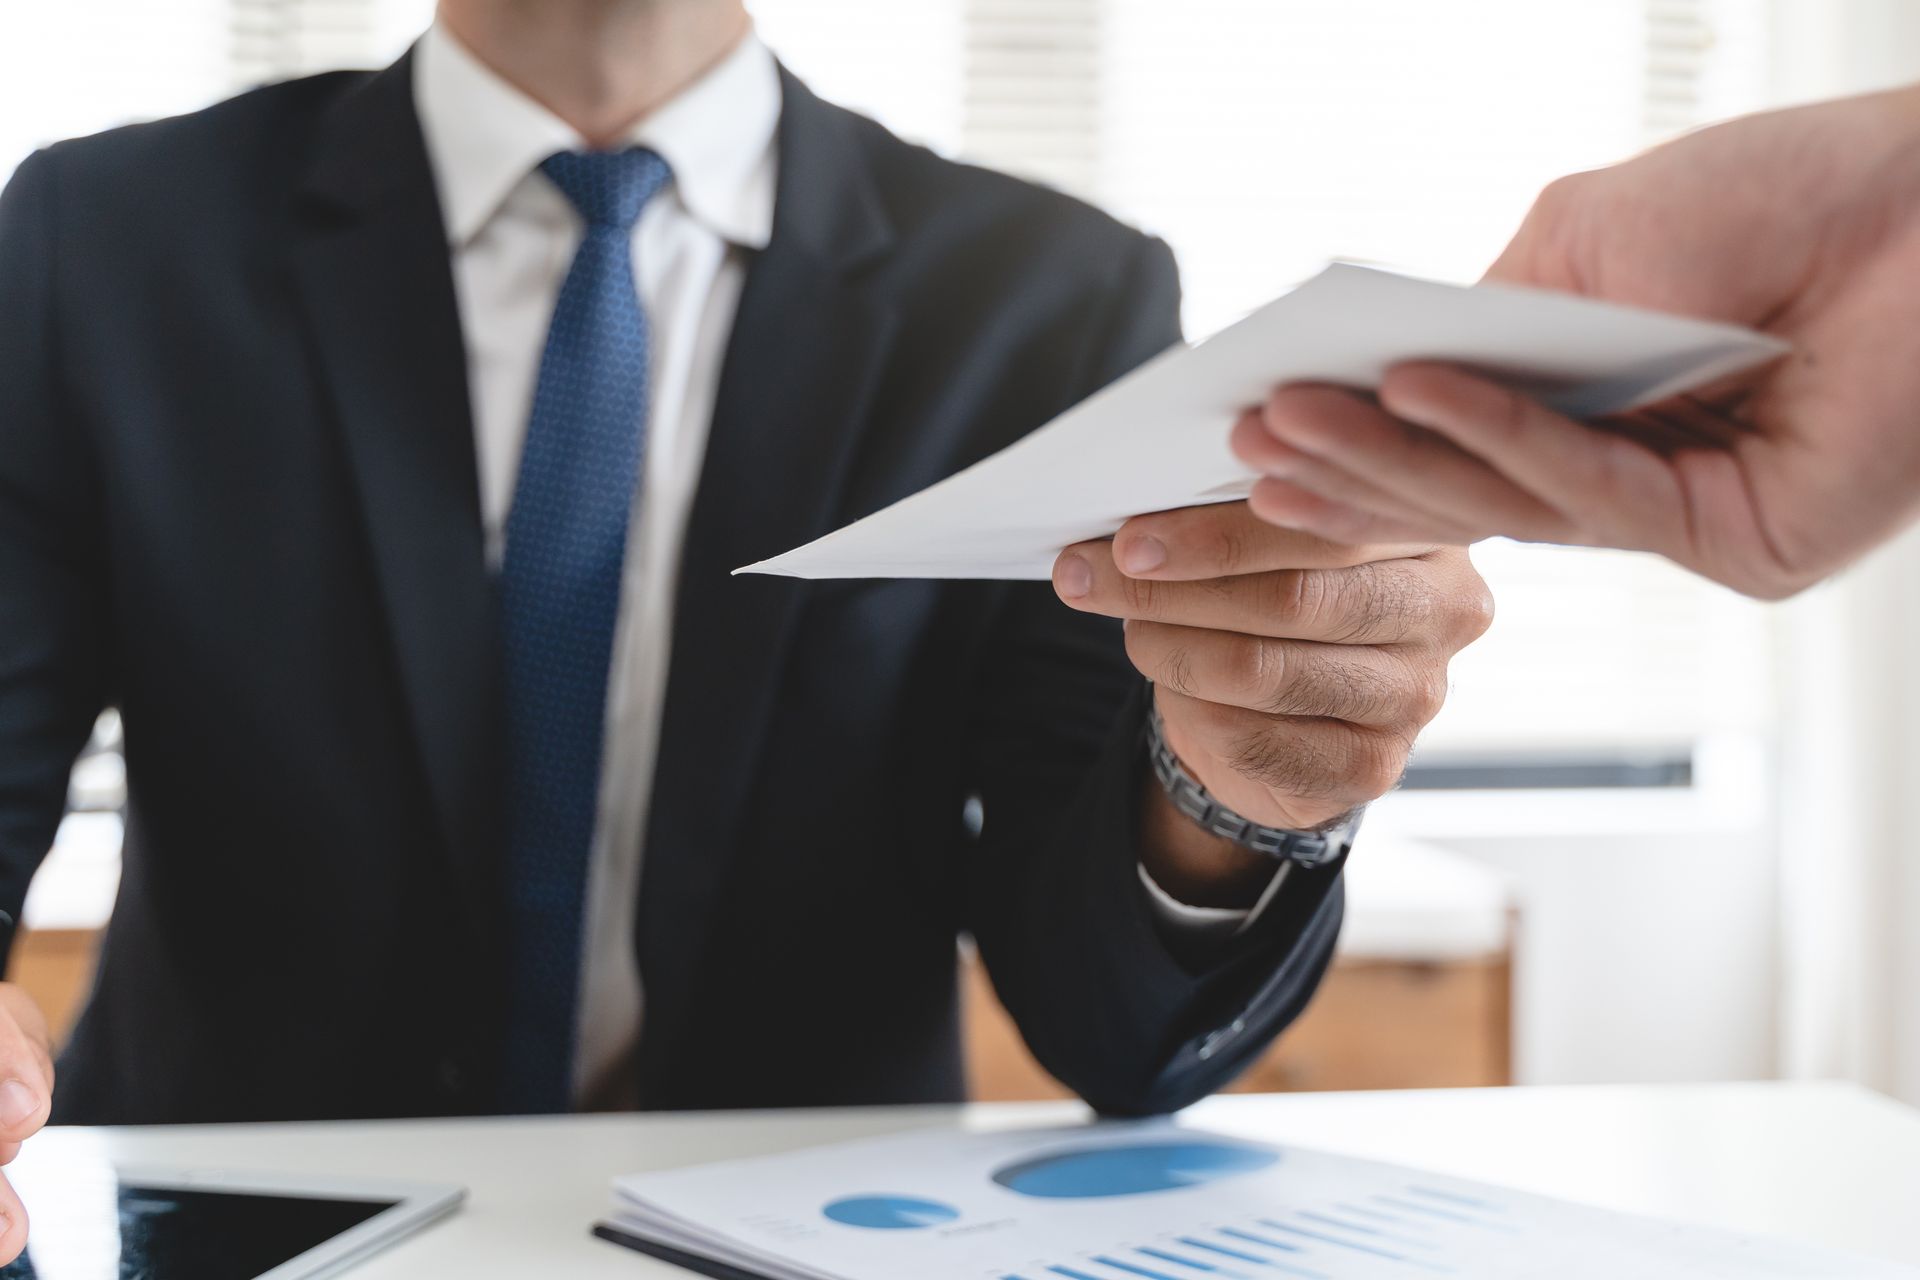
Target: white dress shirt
x=512, y=236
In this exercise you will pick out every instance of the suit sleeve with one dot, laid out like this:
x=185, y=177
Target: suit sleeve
x=51, y=619
x=1105, y=998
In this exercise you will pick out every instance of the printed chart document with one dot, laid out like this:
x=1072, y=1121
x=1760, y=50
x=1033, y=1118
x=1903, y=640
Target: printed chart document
x=1153, y=1201
x=1157, y=438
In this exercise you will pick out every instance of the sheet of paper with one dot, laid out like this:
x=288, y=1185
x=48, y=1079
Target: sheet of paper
x=1153, y=1201
x=1157, y=438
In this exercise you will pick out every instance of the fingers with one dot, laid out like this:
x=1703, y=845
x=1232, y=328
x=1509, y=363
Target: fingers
x=13, y=1223
x=1225, y=540
x=1454, y=457
x=1293, y=506
x=1360, y=685
x=1604, y=486
x=26, y=1066
x=1313, y=770
x=1388, y=602
x=1348, y=449
x=26, y=1095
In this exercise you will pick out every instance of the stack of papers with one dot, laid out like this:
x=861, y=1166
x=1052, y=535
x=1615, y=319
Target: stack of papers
x=1157, y=438
x=1153, y=1201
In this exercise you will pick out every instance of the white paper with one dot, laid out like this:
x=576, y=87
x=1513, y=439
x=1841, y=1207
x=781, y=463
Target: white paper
x=1157, y=438
x=964, y=1207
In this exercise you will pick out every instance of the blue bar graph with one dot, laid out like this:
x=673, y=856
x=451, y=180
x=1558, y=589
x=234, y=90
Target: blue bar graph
x=1191, y=1264
x=1379, y=1215
x=1357, y=1247
x=1454, y=1197
x=1400, y=1230
x=1146, y=1273
x=1376, y=1233
x=1264, y=1242
x=1433, y=1211
x=1192, y=1243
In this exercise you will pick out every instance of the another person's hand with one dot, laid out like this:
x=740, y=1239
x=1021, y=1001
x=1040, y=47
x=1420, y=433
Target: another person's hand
x=1803, y=223
x=26, y=1094
x=1291, y=673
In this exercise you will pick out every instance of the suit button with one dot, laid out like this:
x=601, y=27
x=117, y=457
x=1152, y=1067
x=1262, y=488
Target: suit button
x=1212, y=1044
x=453, y=1078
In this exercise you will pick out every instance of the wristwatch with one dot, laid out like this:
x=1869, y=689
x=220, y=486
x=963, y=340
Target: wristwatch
x=1308, y=848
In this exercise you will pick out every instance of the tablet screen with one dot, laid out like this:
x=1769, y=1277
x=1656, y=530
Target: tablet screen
x=93, y=1229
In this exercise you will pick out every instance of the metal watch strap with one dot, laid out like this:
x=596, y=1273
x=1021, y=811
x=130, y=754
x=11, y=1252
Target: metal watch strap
x=1308, y=848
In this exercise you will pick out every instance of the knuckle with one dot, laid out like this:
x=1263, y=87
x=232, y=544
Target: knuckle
x=1224, y=545
x=1476, y=611
x=1515, y=413
x=1379, y=761
x=1176, y=670
x=1319, y=602
x=1139, y=596
x=1283, y=594
x=1255, y=669
x=1428, y=696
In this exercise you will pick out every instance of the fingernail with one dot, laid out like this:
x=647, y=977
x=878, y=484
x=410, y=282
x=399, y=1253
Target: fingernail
x=1073, y=577
x=18, y=1103
x=1143, y=554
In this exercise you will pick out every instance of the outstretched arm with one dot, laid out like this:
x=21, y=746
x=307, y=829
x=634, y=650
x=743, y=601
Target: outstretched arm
x=1804, y=223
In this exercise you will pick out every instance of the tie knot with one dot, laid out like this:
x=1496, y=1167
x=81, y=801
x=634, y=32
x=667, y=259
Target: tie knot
x=609, y=188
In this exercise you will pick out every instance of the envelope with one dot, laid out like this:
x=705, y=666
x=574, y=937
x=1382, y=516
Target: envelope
x=1157, y=438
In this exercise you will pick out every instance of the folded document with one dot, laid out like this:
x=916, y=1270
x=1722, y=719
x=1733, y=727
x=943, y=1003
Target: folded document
x=1153, y=1201
x=1157, y=438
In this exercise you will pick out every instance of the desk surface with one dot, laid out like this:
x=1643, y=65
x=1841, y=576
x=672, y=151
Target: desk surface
x=1826, y=1163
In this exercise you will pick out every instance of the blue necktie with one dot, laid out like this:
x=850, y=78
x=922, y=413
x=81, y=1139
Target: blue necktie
x=560, y=598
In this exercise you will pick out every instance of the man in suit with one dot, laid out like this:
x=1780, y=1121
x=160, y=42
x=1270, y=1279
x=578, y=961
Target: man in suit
x=381, y=445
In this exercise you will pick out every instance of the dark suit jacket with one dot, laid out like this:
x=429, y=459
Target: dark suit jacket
x=238, y=501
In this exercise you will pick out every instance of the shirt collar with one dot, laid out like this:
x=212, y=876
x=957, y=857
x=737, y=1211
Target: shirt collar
x=484, y=137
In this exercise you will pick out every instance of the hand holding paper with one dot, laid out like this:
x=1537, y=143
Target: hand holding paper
x=1158, y=439
x=1292, y=673
x=1803, y=222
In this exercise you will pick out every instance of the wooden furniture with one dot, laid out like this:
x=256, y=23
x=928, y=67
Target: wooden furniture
x=56, y=968
x=1376, y=1024
x=1419, y=998
x=68, y=903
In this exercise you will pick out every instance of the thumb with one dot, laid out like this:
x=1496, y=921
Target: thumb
x=1542, y=253
x=26, y=1066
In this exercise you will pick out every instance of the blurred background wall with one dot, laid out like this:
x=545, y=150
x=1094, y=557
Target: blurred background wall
x=1661, y=833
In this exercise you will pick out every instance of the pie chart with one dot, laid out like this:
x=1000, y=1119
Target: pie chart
x=890, y=1213
x=1095, y=1173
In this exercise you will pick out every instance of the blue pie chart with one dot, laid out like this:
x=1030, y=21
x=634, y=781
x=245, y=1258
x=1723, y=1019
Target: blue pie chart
x=890, y=1213
x=1096, y=1173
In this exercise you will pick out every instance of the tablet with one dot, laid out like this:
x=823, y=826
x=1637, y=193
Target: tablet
x=92, y=1221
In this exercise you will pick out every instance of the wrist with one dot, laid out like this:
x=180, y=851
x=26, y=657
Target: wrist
x=1194, y=866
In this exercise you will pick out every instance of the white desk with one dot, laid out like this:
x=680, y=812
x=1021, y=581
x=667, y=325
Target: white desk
x=1827, y=1163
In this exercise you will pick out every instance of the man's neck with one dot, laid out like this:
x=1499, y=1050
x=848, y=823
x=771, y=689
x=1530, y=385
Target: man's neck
x=600, y=65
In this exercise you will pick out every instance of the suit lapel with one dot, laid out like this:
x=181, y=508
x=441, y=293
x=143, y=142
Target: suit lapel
x=809, y=341
x=372, y=269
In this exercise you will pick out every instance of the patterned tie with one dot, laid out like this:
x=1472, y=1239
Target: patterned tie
x=559, y=597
